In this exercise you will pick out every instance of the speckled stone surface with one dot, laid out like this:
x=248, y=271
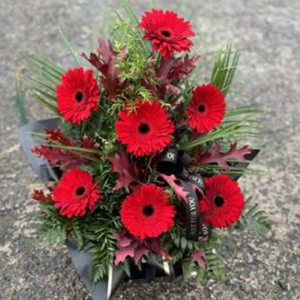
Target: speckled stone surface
x=259, y=267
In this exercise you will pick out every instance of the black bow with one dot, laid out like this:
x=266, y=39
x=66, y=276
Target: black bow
x=173, y=162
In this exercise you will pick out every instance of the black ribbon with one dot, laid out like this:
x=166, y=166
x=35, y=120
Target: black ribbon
x=173, y=162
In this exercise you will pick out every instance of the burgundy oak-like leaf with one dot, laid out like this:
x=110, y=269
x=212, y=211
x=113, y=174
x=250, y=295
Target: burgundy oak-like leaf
x=169, y=71
x=129, y=247
x=65, y=158
x=176, y=68
x=128, y=173
x=88, y=143
x=57, y=136
x=215, y=156
x=199, y=258
x=157, y=247
x=40, y=196
x=176, y=187
x=94, y=60
x=139, y=251
x=123, y=240
x=183, y=67
x=124, y=252
x=107, y=63
x=55, y=156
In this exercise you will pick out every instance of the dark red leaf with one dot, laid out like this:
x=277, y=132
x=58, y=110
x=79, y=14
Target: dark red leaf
x=123, y=240
x=157, y=247
x=215, y=156
x=199, y=258
x=105, y=50
x=57, y=136
x=55, y=156
x=176, y=187
x=176, y=68
x=40, y=196
x=93, y=60
x=139, y=251
x=128, y=173
x=129, y=246
x=64, y=157
x=165, y=67
x=107, y=64
x=122, y=253
x=169, y=71
x=183, y=67
x=88, y=143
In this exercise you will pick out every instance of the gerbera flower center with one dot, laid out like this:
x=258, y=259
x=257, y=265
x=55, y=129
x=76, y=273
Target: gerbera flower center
x=201, y=108
x=219, y=201
x=144, y=128
x=78, y=96
x=148, y=210
x=166, y=33
x=80, y=191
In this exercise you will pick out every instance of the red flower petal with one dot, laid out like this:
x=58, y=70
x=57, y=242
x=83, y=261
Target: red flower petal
x=145, y=131
x=206, y=109
x=223, y=202
x=77, y=95
x=147, y=213
x=75, y=193
x=166, y=31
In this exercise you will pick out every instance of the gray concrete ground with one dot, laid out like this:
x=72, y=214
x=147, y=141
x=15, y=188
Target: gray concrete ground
x=268, y=31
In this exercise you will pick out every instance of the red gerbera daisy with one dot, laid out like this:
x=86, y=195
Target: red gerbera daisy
x=147, y=212
x=75, y=193
x=77, y=95
x=206, y=109
x=166, y=31
x=223, y=202
x=145, y=130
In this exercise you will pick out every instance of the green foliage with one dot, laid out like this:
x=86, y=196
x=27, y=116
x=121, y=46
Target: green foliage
x=134, y=21
x=40, y=79
x=214, y=266
x=232, y=130
x=99, y=232
x=19, y=97
x=224, y=69
x=135, y=65
x=43, y=75
x=253, y=219
x=69, y=46
x=53, y=226
x=182, y=249
x=211, y=170
x=93, y=233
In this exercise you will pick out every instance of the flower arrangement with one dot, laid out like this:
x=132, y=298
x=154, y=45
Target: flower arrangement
x=144, y=157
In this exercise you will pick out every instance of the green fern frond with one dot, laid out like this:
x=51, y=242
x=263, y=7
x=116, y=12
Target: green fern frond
x=215, y=266
x=253, y=219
